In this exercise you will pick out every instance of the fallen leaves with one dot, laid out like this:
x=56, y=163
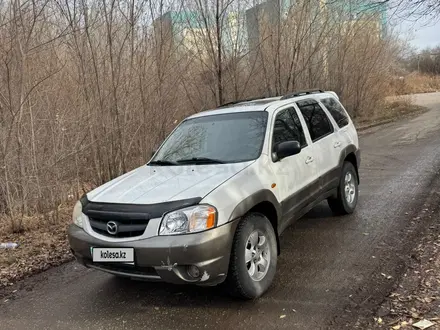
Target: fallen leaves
x=415, y=315
x=378, y=320
x=415, y=301
x=399, y=325
x=40, y=248
x=388, y=277
x=423, y=324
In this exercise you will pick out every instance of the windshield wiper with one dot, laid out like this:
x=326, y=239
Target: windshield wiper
x=201, y=160
x=162, y=162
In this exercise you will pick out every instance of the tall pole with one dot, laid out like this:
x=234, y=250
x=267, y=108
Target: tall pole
x=418, y=63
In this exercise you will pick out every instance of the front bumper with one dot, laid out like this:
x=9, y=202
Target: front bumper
x=164, y=258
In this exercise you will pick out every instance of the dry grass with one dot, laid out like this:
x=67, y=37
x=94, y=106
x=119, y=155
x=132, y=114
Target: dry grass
x=42, y=245
x=392, y=109
x=415, y=83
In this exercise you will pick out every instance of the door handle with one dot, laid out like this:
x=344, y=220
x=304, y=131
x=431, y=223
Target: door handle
x=337, y=144
x=309, y=160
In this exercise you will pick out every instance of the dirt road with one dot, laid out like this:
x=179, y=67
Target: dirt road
x=329, y=266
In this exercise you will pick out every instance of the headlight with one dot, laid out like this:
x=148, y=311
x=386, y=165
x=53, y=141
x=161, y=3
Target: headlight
x=190, y=220
x=77, y=215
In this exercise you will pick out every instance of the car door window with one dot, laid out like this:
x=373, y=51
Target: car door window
x=317, y=121
x=336, y=110
x=288, y=127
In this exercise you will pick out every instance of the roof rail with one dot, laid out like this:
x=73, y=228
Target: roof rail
x=334, y=94
x=242, y=101
x=302, y=93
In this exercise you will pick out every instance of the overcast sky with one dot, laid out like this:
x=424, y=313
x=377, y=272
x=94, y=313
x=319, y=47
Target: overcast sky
x=422, y=35
x=421, y=32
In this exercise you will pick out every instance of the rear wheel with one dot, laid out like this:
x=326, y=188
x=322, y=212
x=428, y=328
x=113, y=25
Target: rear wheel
x=253, y=258
x=348, y=191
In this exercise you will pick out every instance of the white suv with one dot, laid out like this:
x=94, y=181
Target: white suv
x=211, y=204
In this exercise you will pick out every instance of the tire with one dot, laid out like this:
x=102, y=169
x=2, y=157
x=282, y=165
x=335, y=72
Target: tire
x=239, y=282
x=342, y=204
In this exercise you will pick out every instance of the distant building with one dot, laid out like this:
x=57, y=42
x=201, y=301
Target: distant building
x=234, y=33
x=258, y=18
x=264, y=19
x=368, y=13
x=184, y=30
x=261, y=22
x=163, y=32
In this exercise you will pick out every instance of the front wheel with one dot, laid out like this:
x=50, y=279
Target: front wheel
x=348, y=191
x=253, y=258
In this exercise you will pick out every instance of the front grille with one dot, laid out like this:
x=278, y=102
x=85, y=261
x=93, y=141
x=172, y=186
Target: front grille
x=126, y=228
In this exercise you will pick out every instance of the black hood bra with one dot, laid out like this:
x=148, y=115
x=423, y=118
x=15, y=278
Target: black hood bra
x=119, y=211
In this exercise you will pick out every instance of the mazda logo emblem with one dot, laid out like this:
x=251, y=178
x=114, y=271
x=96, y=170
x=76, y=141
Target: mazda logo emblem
x=112, y=228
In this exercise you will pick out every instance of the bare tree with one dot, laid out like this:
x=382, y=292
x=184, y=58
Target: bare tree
x=413, y=9
x=89, y=88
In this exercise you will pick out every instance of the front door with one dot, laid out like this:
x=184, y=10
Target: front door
x=297, y=175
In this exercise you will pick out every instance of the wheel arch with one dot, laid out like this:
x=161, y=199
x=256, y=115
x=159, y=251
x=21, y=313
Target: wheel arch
x=351, y=154
x=264, y=202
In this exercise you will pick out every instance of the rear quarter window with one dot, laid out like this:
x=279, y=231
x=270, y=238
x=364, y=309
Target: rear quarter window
x=336, y=110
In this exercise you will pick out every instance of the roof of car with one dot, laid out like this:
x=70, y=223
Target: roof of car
x=264, y=104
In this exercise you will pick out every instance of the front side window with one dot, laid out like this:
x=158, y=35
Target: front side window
x=287, y=127
x=223, y=138
x=336, y=110
x=317, y=121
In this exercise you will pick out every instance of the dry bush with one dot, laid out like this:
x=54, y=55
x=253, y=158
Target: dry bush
x=89, y=88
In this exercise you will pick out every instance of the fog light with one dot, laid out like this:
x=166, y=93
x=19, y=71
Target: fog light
x=193, y=271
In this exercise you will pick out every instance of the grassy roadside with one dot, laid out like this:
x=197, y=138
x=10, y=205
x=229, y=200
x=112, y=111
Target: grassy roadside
x=44, y=244
x=405, y=287
x=393, y=110
x=416, y=296
x=415, y=83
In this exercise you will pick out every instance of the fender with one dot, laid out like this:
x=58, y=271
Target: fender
x=264, y=195
x=351, y=148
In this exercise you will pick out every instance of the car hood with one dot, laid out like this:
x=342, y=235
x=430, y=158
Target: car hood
x=157, y=184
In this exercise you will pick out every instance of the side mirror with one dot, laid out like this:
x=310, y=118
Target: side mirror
x=286, y=149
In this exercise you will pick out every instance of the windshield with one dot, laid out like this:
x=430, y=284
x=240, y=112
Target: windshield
x=225, y=138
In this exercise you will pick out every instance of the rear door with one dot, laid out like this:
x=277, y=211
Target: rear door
x=297, y=175
x=345, y=131
x=327, y=144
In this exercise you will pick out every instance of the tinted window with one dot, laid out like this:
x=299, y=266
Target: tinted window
x=317, y=121
x=287, y=127
x=232, y=137
x=336, y=110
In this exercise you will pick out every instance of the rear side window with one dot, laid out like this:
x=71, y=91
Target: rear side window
x=287, y=127
x=317, y=121
x=336, y=110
